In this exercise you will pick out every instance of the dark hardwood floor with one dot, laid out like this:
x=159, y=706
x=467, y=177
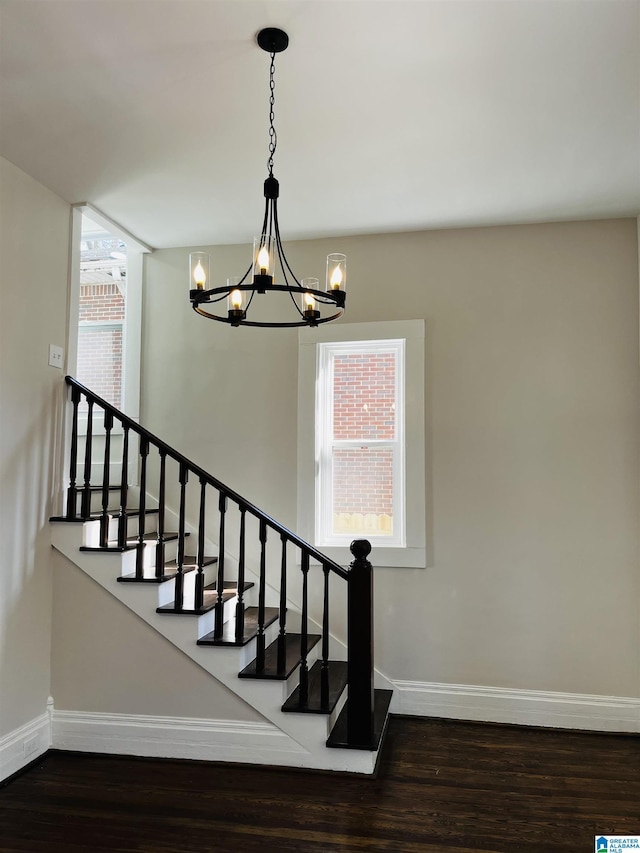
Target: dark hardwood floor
x=441, y=786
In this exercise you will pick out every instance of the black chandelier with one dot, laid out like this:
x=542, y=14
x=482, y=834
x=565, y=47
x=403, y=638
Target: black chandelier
x=270, y=271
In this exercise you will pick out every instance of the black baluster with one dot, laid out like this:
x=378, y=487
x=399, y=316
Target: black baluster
x=124, y=485
x=106, y=470
x=72, y=509
x=85, y=510
x=142, y=507
x=324, y=668
x=160, y=544
x=179, y=582
x=360, y=702
x=219, y=611
x=262, y=591
x=240, y=598
x=199, y=591
x=304, y=635
x=282, y=632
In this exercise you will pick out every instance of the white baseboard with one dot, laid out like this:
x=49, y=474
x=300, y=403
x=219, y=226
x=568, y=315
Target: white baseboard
x=263, y=743
x=24, y=745
x=170, y=737
x=527, y=707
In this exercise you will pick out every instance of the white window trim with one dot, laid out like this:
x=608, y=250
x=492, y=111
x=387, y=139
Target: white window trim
x=413, y=554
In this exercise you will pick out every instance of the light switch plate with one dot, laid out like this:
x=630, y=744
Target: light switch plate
x=56, y=356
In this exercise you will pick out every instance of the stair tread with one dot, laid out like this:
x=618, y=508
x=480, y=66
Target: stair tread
x=190, y=562
x=291, y=658
x=209, y=602
x=65, y=518
x=250, y=628
x=114, y=512
x=132, y=542
x=337, y=678
x=131, y=578
x=338, y=736
x=230, y=584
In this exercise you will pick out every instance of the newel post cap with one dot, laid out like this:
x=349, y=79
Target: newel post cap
x=360, y=548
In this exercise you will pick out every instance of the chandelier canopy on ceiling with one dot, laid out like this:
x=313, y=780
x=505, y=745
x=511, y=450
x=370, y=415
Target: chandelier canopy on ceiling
x=301, y=301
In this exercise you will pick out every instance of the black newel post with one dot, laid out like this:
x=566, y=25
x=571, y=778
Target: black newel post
x=360, y=637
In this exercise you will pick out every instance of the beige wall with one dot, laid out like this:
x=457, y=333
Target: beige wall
x=533, y=439
x=34, y=246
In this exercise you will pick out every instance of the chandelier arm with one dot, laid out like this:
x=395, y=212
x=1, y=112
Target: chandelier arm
x=282, y=257
x=265, y=221
x=219, y=298
x=270, y=225
x=281, y=249
x=295, y=304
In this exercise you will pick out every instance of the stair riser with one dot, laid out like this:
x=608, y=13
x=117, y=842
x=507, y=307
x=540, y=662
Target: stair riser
x=95, y=496
x=248, y=653
x=292, y=682
x=205, y=623
x=92, y=529
x=149, y=555
x=150, y=524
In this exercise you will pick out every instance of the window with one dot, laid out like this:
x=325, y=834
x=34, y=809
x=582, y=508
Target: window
x=360, y=442
x=103, y=297
x=105, y=309
x=362, y=475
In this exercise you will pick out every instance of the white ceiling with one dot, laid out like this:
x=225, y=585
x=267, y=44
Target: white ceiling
x=391, y=114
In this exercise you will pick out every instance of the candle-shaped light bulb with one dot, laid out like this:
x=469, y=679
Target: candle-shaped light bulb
x=309, y=302
x=263, y=260
x=199, y=276
x=235, y=297
x=336, y=279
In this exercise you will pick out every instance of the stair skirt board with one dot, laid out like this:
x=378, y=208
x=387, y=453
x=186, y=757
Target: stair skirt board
x=173, y=737
x=187, y=738
x=305, y=735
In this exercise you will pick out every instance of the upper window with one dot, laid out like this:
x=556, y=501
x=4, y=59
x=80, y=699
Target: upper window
x=361, y=397
x=105, y=316
x=103, y=296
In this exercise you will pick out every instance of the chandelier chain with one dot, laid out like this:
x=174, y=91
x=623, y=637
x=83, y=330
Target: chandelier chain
x=273, y=136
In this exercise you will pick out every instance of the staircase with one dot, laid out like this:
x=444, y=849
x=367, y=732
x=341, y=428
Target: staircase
x=241, y=595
